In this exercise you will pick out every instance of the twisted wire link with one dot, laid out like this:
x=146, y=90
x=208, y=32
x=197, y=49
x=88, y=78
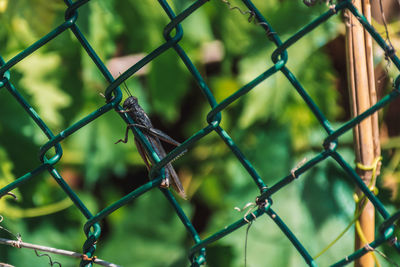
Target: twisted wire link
x=263, y=203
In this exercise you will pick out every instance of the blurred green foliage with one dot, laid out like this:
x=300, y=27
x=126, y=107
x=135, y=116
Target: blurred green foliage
x=271, y=125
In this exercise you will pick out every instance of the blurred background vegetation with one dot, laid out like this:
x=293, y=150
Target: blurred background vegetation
x=271, y=125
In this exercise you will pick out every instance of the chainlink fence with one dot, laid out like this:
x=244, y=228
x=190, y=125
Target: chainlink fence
x=173, y=34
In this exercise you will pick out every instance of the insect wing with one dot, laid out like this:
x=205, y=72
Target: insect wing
x=142, y=153
x=170, y=172
x=176, y=184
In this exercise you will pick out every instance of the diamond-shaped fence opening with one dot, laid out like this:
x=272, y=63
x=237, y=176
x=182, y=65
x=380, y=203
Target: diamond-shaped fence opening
x=51, y=151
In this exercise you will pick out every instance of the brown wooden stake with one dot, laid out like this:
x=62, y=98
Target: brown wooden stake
x=360, y=72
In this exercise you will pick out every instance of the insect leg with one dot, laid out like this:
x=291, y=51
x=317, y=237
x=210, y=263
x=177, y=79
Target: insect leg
x=157, y=134
x=125, y=140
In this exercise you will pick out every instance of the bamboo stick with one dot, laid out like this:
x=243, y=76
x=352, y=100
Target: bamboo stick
x=362, y=92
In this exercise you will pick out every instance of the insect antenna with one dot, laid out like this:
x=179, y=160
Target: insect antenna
x=127, y=90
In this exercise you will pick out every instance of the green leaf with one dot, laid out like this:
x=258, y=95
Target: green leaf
x=168, y=80
x=147, y=232
x=45, y=92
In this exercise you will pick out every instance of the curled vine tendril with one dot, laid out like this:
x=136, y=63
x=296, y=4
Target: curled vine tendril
x=52, y=263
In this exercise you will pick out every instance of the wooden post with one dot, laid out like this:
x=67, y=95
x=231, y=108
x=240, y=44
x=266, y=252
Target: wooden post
x=360, y=72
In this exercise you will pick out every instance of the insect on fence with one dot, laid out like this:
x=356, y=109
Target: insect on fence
x=148, y=138
x=135, y=111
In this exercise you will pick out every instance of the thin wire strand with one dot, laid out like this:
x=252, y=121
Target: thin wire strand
x=63, y=252
x=245, y=242
x=386, y=258
x=391, y=50
x=243, y=12
x=386, y=28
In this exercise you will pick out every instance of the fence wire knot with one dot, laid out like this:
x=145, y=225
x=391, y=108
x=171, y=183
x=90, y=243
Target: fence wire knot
x=368, y=247
x=17, y=243
x=87, y=258
x=333, y=8
x=298, y=166
x=389, y=52
x=249, y=207
x=393, y=240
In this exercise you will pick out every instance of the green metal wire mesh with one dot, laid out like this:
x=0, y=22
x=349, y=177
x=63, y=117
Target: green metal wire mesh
x=173, y=34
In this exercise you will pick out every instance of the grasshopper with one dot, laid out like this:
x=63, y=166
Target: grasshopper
x=153, y=135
